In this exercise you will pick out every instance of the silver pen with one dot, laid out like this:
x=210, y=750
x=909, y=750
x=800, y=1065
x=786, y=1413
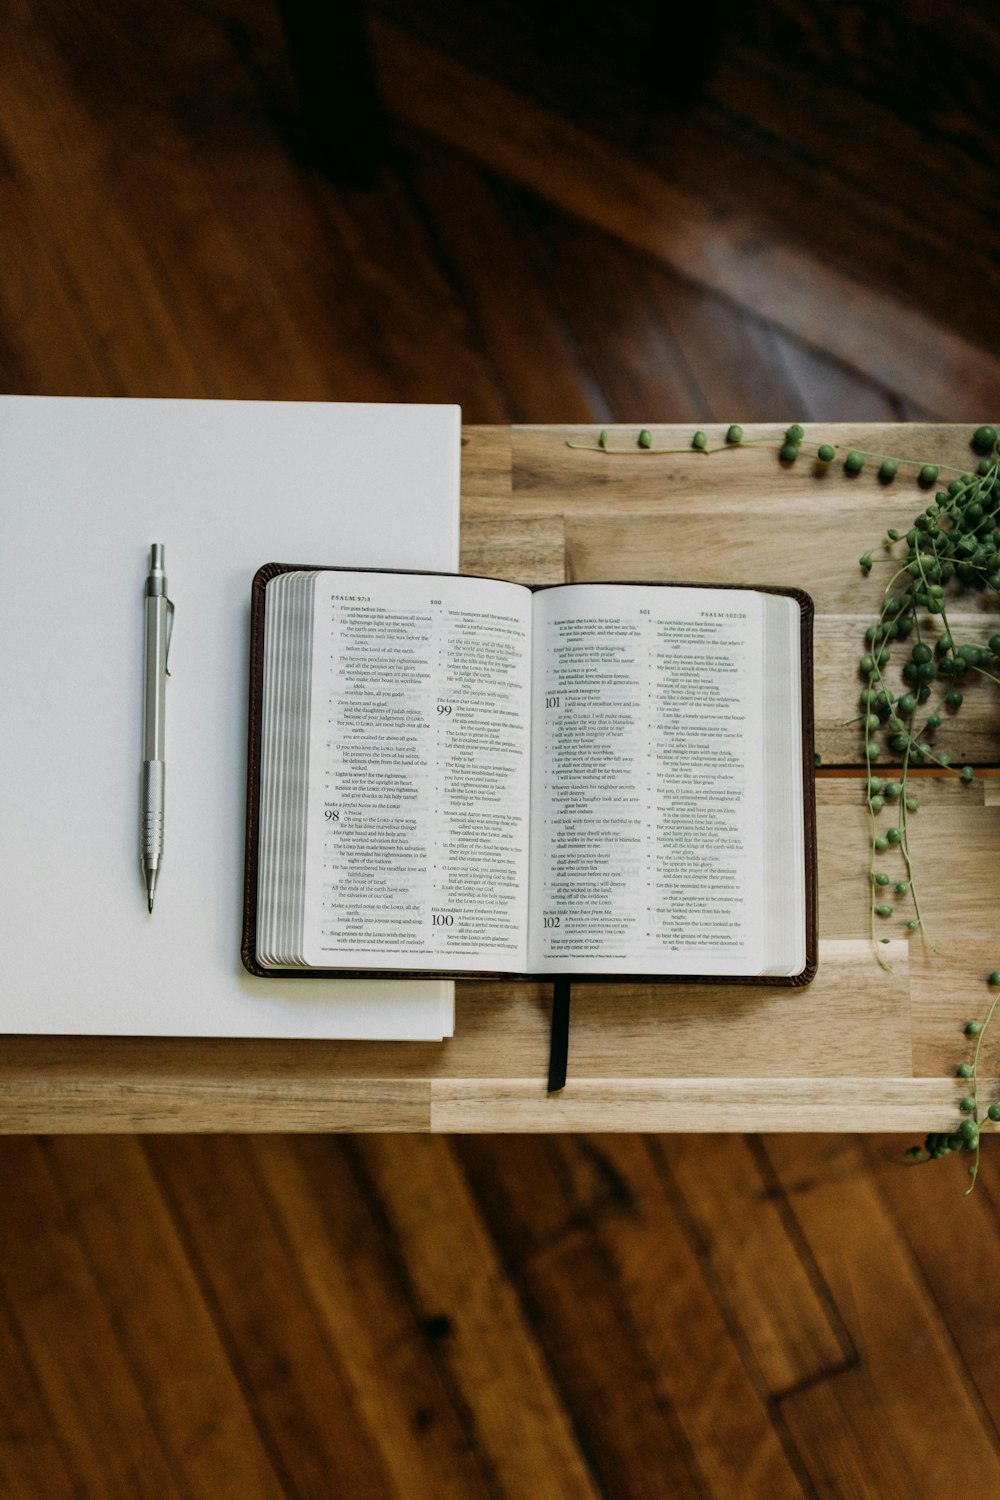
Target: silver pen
x=158, y=627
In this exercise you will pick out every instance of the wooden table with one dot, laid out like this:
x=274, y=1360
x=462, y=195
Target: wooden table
x=860, y=1049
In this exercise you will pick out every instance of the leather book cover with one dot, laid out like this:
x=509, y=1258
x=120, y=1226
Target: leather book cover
x=254, y=728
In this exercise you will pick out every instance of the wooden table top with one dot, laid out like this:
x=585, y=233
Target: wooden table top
x=862, y=1048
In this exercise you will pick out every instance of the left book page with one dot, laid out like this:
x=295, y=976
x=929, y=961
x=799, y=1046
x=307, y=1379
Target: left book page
x=395, y=772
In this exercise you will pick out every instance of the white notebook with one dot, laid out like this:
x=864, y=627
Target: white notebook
x=86, y=486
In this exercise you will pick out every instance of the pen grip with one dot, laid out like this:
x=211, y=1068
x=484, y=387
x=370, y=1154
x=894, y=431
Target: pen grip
x=151, y=809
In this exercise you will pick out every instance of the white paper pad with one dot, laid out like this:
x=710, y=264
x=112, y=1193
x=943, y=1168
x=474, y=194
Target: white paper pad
x=86, y=486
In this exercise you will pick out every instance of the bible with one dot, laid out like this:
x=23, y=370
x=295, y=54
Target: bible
x=468, y=777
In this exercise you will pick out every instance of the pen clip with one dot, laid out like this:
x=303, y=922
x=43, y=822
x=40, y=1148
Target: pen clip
x=170, y=635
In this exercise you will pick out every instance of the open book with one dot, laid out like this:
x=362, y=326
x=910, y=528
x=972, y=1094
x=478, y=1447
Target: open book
x=466, y=776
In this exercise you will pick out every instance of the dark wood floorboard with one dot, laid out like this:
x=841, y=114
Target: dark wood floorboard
x=764, y=212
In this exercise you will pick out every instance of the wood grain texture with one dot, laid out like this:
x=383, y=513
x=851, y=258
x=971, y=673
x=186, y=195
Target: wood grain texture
x=731, y=252
x=877, y=1288
x=409, y=1316
x=294, y=1382
x=642, y=1056
x=597, y=1205
x=925, y=1220
x=363, y=1303
x=490, y=1350
x=148, y=1284
x=31, y=1450
x=606, y=214
x=87, y=1383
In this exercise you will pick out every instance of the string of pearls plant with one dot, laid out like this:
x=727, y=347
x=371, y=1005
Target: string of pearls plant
x=954, y=541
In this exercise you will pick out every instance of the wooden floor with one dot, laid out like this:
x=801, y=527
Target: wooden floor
x=582, y=217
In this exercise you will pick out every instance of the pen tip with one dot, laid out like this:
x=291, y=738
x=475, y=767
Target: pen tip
x=150, y=905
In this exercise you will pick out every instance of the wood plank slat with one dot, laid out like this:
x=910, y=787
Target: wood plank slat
x=906, y=1354
x=597, y=1221
x=829, y=131
x=94, y=1097
x=532, y=550
x=956, y=1246
x=109, y=1441
x=765, y=1284
x=530, y=346
x=941, y=1006
x=627, y=1424
x=673, y=1104
x=838, y=1428
x=879, y=70
x=244, y=316
x=120, y=286
x=146, y=1281
x=687, y=1329
x=735, y=358
x=521, y=1425
x=747, y=119
x=944, y=813
x=604, y=296
x=729, y=251
x=208, y=232
x=387, y=1357
x=293, y=1381
x=433, y=344
x=31, y=1438
x=588, y=483
x=830, y=389
x=45, y=346
x=486, y=469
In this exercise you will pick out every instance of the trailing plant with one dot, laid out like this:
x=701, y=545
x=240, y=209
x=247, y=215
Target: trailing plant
x=953, y=545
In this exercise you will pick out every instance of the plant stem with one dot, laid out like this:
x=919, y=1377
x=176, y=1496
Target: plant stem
x=974, y=1169
x=918, y=463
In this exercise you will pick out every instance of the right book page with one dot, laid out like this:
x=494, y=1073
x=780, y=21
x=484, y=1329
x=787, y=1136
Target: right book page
x=667, y=824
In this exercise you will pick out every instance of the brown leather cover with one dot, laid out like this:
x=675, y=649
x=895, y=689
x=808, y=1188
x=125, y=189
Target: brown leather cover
x=249, y=944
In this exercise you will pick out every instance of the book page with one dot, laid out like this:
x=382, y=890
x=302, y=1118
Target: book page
x=417, y=840
x=647, y=814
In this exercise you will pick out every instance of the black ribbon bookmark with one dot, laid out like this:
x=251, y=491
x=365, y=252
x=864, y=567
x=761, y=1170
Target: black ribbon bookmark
x=559, y=1037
